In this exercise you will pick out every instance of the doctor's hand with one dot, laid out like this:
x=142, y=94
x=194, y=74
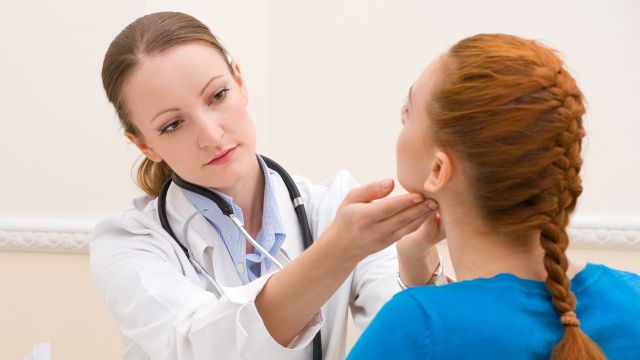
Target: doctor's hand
x=368, y=221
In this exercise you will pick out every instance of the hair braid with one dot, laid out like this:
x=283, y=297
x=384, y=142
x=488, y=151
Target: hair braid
x=511, y=111
x=574, y=344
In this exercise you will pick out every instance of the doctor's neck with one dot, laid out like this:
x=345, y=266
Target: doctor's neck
x=248, y=194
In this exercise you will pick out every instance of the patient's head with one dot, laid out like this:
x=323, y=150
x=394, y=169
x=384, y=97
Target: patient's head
x=508, y=111
x=497, y=121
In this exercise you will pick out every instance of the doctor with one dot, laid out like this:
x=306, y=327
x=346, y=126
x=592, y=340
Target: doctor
x=183, y=104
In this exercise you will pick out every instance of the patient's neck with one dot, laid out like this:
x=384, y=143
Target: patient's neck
x=479, y=252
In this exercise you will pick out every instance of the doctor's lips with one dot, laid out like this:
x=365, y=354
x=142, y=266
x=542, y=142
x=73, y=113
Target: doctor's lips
x=223, y=157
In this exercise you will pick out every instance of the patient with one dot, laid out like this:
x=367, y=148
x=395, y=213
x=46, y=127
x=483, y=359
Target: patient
x=493, y=131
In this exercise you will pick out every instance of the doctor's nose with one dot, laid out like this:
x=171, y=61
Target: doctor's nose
x=209, y=132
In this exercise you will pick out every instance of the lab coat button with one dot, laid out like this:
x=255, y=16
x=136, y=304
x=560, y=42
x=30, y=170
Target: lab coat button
x=240, y=267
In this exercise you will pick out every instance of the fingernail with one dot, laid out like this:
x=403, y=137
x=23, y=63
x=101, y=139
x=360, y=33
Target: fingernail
x=386, y=184
x=418, y=199
x=432, y=205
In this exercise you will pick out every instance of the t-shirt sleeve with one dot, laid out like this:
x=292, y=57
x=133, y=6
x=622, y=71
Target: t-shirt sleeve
x=401, y=330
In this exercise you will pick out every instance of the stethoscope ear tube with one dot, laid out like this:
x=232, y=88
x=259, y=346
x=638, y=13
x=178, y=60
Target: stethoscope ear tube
x=253, y=242
x=164, y=220
x=203, y=191
x=296, y=199
x=307, y=238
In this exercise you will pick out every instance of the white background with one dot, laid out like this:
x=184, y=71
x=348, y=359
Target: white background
x=326, y=80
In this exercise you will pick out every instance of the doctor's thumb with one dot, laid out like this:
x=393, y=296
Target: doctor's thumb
x=372, y=191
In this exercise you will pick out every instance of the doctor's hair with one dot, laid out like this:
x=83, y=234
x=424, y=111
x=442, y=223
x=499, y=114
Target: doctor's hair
x=511, y=111
x=147, y=36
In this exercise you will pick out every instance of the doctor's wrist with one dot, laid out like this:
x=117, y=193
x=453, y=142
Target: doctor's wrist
x=340, y=251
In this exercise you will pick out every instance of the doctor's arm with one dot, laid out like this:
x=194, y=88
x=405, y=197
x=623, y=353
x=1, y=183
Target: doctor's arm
x=362, y=227
x=163, y=313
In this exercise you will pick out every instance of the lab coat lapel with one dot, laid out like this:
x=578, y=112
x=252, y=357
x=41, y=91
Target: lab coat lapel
x=201, y=235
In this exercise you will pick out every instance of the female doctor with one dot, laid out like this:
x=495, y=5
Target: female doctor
x=209, y=293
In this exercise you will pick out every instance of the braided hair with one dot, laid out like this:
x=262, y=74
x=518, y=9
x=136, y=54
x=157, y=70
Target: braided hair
x=512, y=112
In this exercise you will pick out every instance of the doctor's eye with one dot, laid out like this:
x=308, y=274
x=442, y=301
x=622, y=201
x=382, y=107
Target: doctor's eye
x=171, y=127
x=219, y=96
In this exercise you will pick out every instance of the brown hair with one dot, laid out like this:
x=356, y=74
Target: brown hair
x=147, y=36
x=511, y=111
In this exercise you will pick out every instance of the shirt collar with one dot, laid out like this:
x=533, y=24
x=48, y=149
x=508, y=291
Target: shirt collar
x=271, y=235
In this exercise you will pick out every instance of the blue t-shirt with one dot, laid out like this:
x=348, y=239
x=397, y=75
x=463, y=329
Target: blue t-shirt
x=504, y=317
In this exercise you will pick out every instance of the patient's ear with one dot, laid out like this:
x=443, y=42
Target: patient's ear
x=440, y=172
x=144, y=148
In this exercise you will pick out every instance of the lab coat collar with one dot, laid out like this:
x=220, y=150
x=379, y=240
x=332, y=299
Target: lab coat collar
x=201, y=235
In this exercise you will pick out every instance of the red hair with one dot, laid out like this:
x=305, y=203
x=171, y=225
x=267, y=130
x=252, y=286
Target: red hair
x=512, y=112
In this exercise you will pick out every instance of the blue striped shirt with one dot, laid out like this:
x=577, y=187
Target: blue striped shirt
x=271, y=234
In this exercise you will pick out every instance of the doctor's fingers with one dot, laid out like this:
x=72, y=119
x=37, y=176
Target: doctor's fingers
x=406, y=221
x=428, y=225
x=367, y=193
x=394, y=206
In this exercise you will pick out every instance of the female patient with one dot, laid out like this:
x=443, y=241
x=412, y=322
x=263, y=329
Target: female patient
x=492, y=132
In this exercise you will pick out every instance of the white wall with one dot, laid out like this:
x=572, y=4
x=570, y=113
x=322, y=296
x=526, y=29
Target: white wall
x=340, y=70
x=60, y=148
x=326, y=80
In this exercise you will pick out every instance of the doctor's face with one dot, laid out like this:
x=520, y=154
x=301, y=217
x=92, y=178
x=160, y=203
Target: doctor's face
x=414, y=147
x=190, y=111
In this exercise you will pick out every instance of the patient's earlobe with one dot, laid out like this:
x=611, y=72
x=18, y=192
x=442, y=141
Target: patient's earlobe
x=144, y=148
x=440, y=172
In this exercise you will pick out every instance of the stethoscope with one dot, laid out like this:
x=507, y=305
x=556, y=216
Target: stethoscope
x=298, y=205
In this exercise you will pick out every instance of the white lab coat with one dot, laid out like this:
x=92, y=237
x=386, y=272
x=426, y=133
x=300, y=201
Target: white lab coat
x=162, y=313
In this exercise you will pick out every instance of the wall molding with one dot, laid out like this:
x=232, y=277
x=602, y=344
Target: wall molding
x=605, y=232
x=45, y=235
x=69, y=235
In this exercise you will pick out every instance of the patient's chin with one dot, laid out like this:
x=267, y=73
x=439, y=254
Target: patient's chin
x=410, y=187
